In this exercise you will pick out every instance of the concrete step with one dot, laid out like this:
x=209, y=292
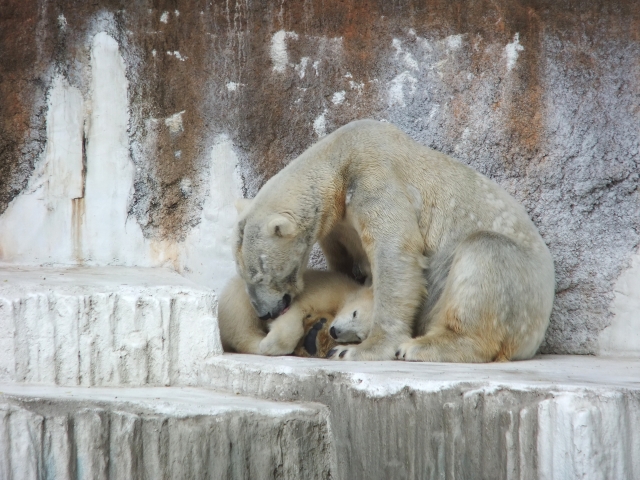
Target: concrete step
x=551, y=417
x=554, y=417
x=158, y=433
x=104, y=326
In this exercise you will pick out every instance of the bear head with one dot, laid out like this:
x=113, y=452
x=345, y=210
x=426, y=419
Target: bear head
x=271, y=255
x=353, y=321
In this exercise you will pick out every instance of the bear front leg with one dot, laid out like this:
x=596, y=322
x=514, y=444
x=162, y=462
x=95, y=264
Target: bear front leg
x=284, y=333
x=398, y=283
x=336, y=254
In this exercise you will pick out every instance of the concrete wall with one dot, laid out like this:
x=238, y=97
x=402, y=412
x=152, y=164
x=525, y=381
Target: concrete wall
x=127, y=130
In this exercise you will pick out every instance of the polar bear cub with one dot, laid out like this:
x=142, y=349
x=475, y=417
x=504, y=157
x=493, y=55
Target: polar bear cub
x=333, y=293
x=353, y=322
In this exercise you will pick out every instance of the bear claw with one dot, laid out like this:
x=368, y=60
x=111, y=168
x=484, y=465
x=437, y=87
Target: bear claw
x=331, y=352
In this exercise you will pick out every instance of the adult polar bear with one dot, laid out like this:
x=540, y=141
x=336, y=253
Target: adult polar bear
x=410, y=217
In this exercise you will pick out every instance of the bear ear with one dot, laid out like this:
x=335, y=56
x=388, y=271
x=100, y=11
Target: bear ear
x=242, y=204
x=281, y=226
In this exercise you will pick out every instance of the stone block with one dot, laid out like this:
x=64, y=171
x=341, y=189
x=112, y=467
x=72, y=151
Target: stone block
x=104, y=326
x=554, y=417
x=159, y=433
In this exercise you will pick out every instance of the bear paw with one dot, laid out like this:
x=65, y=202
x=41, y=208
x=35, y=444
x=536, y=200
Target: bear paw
x=270, y=347
x=361, y=352
x=339, y=353
x=414, y=351
x=311, y=338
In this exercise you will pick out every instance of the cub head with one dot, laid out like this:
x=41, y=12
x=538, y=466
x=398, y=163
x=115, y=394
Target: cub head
x=354, y=320
x=271, y=255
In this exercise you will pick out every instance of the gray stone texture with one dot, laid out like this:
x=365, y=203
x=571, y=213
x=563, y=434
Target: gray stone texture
x=541, y=96
x=547, y=418
x=104, y=326
x=94, y=434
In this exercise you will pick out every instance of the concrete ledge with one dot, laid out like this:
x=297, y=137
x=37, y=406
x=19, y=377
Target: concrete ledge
x=104, y=326
x=552, y=417
x=156, y=433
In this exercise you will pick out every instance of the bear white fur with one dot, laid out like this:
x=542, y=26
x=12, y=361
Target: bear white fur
x=352, y=324
x=325, y=293
x=379, y=204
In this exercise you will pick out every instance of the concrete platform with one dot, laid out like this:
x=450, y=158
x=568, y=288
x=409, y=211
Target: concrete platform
x=104, y=326
x=554, y=417
x=158, y=433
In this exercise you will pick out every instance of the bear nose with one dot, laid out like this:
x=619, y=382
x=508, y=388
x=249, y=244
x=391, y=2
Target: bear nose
x=286, y=300
x=265, y=317
x=332, y=332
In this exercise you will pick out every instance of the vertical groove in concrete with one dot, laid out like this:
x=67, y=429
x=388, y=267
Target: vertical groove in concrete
x=461, y=429
x=127, y=336
x=47, y=438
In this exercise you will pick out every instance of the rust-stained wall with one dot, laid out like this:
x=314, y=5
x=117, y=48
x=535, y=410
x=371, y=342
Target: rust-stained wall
x=542, y=96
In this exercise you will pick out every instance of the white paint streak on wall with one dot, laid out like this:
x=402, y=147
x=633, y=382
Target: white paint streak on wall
x=207, y=250
x=174, y=122
x=83, y=219
x=57, y=179
x=178, y=55
x=109, y=235
x=408, y=59
x=454, y=42
x=399, y=85
x=397, y=44
x=320, y=125
x=301, y=68
x=622, y=337
x=233, y=86
x=511, y=51
x=279, y=54
x=358, y=87
x=338, y=97
x=63, y=154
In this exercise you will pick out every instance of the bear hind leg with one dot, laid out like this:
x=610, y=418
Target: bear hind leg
x=481, y=313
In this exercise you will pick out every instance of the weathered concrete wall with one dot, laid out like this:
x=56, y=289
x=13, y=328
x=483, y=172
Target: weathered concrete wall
x=159, y=101
x=104, y=326
x=546, y=418
x=97, y=434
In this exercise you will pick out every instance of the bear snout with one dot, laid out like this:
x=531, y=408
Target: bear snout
x=333, y=333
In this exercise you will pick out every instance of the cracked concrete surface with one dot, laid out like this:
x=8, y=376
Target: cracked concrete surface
x=104, y=326
x=552, y=417
x=76, y=433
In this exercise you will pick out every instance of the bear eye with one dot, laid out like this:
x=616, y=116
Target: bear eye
x=355, y=314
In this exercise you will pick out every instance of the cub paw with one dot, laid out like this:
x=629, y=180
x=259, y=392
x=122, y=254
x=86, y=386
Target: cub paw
x=316, y=341
x=269, y=347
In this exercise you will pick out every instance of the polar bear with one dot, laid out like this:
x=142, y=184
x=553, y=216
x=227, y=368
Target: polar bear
x=325, y=292
x=352, y=324
x=377, y=202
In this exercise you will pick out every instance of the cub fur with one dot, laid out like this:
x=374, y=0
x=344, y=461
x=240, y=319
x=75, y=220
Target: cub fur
x=352, y=323
x=242, y=330
x=378, y=202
